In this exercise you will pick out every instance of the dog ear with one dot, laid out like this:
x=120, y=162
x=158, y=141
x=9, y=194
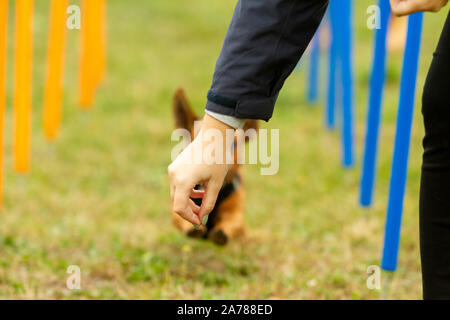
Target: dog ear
x=250, y=124
x=182, y=112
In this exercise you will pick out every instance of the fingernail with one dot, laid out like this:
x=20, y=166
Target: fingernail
x=196, y=226
x=205, y=220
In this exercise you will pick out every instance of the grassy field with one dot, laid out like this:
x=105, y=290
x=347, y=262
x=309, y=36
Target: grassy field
x=98, y=196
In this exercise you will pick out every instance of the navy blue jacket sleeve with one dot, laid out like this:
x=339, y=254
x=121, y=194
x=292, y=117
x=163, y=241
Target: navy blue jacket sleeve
x=264, y=42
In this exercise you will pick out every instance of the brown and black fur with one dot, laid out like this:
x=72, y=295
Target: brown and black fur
x=226, y=221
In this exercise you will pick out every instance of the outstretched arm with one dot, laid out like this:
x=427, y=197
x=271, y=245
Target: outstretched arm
x=264, y=42
x=263, y=45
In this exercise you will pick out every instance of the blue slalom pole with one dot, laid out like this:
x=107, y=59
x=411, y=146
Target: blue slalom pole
x=402, y=143
x=345, y=52
x=377, y=81
x=313, y=82
x=330, y=120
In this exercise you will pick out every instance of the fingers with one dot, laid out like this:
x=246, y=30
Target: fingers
x=195, y=208
x=197, y=194
x=171, y=183
x=184, y=206
x=405, y=7
x=172, y=192
x=444, y=3
x=209, y=200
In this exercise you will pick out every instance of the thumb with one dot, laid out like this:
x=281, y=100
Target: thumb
x=210, y=198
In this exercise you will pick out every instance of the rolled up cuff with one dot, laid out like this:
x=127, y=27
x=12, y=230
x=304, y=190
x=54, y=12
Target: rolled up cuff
x=245, y=108
x=233, y=122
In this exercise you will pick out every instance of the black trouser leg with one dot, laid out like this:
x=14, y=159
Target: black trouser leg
x=435, y=185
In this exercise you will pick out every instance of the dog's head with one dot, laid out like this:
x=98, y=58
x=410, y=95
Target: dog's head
x=183, y=114
x=185, y=118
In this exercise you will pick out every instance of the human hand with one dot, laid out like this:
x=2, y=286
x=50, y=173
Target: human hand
x=405, y=7
x=185, y=174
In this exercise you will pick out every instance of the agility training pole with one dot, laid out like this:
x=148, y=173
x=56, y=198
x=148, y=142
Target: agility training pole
x=3, y=34
x=377, y=81
x=334, y=88
x=402, y=143
x=101, y=43
x=55, y=68
x=340, y=82
x=313, y=75
x=23, y=58
x=346, y=57
x=23, y=84
x=87, y=87
x=92, y=63
x=340, y=85
x=97, y=28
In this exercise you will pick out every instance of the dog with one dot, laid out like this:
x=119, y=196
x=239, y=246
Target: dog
x=226, y=220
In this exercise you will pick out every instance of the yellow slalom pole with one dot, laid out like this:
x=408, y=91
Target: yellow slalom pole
x=101, y=43
x=87, y=63
x=55, y=68
x=95, y=41
x=23, y=79
x=3, y=28
x=93, y=49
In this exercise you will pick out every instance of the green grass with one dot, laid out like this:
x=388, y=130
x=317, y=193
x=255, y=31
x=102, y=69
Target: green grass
x=98, y=196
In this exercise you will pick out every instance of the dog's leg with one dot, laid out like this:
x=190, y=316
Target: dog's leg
x=229, y=220
x=232, y=226
x=187, y=227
